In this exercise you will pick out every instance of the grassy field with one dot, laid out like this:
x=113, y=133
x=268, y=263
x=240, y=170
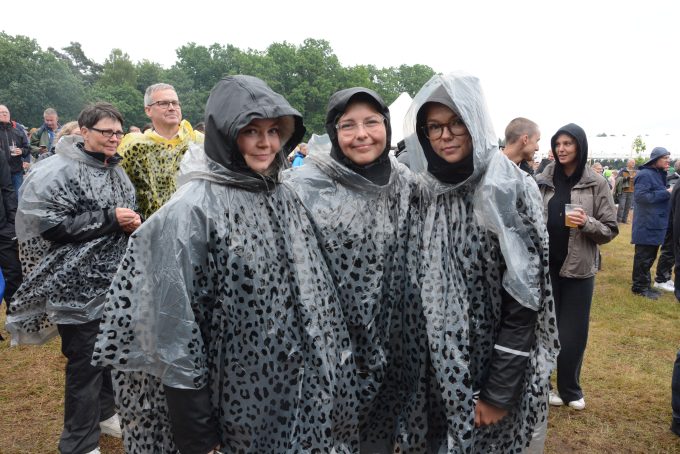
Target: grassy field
x=626, y=377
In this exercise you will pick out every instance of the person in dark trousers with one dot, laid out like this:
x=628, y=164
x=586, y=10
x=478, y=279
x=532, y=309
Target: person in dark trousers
x=74, y=218
x=650, y=220
x=9, y=254
x=574, y=252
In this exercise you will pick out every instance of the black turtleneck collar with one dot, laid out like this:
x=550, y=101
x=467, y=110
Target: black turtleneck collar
x=378, y=171
x=101, y=157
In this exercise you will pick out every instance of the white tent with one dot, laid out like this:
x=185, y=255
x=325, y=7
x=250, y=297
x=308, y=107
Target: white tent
x=398, y=111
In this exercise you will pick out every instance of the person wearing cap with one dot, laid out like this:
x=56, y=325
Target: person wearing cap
x=651, y=200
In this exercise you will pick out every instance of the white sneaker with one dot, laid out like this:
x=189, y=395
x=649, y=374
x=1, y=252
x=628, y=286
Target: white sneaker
x=578, y=404
x=111, y=427
x=96, y=451
x=555, y=399
x=668, y=286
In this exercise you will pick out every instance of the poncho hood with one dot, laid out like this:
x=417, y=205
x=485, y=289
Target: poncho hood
x=378, y=170
x=463, y=94
x=233, y=103
x=579, y=135
x=498, y=185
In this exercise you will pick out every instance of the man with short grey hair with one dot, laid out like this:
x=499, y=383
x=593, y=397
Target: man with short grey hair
x=151, y=159
x=42, y=139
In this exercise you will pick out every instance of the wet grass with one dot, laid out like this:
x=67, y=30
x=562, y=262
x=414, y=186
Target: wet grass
x=626, y=377
x=626, y=374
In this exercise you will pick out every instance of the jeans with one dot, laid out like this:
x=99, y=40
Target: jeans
x=17, y=180
x=625, y=202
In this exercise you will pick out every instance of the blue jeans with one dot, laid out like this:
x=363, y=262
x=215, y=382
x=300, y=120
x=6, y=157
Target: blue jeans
x=17, y=180
x=625, y=202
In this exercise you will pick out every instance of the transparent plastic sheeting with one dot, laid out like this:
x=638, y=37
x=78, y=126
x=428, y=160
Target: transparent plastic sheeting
x=473, y=240
x=225, y=287
x=65, y=282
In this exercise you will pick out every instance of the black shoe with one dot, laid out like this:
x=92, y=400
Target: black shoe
x=647, y=293
x=675, y=428
x=653, y=290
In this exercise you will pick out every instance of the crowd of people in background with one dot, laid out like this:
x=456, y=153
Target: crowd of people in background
x=228, y=288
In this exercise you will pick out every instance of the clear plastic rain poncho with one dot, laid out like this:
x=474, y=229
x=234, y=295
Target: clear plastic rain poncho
x=475, y=238
x=226, y=287
x=65, y=282
x=363, y=228
x=152, y=162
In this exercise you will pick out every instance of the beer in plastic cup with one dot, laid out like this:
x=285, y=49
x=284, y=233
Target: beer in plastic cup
x=570, y=208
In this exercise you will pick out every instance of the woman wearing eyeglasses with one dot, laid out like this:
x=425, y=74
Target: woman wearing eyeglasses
x=358, y=198
x=222, y=318
x=480, y=277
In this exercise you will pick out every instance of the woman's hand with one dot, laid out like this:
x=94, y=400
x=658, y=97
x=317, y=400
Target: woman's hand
x=578, y=217
x=487, y=414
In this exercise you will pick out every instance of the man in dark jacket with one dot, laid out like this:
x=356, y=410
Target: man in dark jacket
x=42, y=140
x=14, y=143
x=9, y=255
x=650, y=218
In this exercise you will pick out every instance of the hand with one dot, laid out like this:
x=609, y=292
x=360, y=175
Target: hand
x=487, y=414
x=128, y=219
x=578, y=217
x=131, y=227
x=26, y=165
x=15, y=151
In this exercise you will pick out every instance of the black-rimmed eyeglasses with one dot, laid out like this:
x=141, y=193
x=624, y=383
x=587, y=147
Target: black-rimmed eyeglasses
x=434, y=131
x=108, y=133
x=166, y=104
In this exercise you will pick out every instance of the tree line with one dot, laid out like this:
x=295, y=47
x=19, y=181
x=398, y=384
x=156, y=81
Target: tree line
x=307, y=75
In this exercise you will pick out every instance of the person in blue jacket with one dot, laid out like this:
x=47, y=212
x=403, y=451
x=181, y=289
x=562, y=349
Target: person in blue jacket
x=651, y=200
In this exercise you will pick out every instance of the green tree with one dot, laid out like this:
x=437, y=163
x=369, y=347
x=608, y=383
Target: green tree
x=32, y=79
x=118, y=70
x=638, y=145
x=149, y=73
x=74, y=56
x=127, y=99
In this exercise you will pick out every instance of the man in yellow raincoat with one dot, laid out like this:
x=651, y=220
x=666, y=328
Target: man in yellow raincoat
x=152, y=159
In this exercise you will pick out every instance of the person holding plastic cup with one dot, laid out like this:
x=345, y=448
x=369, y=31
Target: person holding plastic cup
x=580, y=213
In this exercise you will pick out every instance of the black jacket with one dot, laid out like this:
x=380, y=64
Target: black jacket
x=8, y=207
x=10, y=134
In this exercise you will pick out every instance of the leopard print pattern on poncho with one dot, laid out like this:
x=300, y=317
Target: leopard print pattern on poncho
x=459, y=271
x=238, y=299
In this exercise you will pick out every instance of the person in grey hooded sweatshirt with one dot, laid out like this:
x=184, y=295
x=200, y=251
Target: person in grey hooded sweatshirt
x=358, y=197
x=478, y=263
x=223, y=319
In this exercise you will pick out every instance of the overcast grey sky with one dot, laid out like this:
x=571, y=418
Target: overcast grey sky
x=604, y=65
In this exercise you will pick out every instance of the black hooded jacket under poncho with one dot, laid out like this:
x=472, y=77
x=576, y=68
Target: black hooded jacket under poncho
x=69, y=240
x=361, y=214
x=225, y=289
x=480, y=270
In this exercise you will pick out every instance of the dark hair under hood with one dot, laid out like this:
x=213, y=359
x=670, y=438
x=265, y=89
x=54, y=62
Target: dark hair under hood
x=233, y=103
x=379, y=170
x=579, y=135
